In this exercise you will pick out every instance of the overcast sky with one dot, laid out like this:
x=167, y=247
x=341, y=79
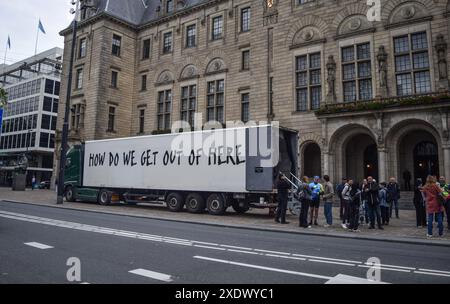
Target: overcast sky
x=19, y=19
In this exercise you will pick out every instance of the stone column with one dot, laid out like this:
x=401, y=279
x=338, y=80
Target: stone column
x=326, y=164
x=382, y=165
x=447, y=162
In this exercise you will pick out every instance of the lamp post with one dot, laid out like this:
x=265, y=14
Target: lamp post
x=65, y=130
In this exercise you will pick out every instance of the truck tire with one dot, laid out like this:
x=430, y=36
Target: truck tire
x=238, y=209
x=104, y=197
x=70, y=194
x=216, y=204
x=195, y=203
x=175, y=202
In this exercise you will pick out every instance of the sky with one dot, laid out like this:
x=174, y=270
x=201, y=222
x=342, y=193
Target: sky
x=19, y=19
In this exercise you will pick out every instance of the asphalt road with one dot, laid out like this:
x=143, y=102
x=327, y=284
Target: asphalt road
x=36, y=243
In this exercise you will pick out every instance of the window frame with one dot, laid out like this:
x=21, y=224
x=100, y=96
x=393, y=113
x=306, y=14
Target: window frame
x=412, y=71
x=111, y=119
x=192, y=95
x=165, y=50
x=245, y=103
x=146, y=49
x=116, y=49
x=220, y=34
x=188, y=42
x=248, y=20
x=215, y=94
x=309, y=87
x=82, y=51
x=167, y=105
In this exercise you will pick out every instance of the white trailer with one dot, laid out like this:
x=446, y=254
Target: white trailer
x=204, y=170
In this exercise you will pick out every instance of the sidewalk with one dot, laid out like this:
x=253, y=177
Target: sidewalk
x=399, y=230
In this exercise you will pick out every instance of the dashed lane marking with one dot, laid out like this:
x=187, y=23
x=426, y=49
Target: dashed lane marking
x=152, y=274
x=39, y=245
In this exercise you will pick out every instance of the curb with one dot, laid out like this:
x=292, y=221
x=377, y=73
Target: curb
x=271, y=229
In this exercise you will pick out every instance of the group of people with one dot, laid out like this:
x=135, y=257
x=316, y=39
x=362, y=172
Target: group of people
x=368, y=202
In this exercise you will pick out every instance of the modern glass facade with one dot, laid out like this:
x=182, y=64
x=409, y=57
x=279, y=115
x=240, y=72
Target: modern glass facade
x=29, y=118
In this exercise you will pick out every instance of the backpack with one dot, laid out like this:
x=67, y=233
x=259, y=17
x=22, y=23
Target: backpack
x=389, y=196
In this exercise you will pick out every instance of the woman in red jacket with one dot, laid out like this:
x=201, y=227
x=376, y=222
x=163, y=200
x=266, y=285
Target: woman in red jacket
x=432, y=191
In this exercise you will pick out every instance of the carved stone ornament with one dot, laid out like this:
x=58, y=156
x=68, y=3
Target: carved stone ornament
x=441, y=50
x=215, y=66
x=165, y=77
x=408, y=12
x=331, y=79
x=382, y=66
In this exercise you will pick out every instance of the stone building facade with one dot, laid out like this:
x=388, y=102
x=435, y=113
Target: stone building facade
x=367, y=97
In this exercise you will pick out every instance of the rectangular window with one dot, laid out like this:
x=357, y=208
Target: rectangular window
x=215, y=101
x=75, y=116
x=111, y=119
x=167, y=43
x=164, y=109
x=82, y=48
x=146, y=49
x=116, y=45
x=144, y=83
x=114, y=79
x=245, y=60
x=412, y=66
x=43, y=140
x=190, y=36
x=79, y=79
x=245, y=111
x=308, y=82
x=141, y=121
x=245, y=19
x=217, y=28
x=188, y=104
x=357, y=72
x=169, y=6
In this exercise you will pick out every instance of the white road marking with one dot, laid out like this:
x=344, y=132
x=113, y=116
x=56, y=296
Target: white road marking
x=153, y=275
x=38, y=245
x=237, y=247
x=390, y=266
x=345, y=279
x=330, y=262
x=264, y=268
x=431, y=270
x=242, y=251
x=285, y=257
x=324, y=258
x=432, y=273
x=274, y=252
x=210, y=247
x=385, y=268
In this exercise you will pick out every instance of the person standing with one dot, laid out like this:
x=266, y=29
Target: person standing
x=393, y=195
x=283, y=187
x=373, y=203
x=316, y=191
x=407, y=180
x=33, y=182
x=364, y=202
x=339, y=189
x=328, y=196
x=384, y=205
x=354, y=203
x=346, y=198
x=305, y=200
x=446, y=193
x=434, y=209
x=419, y=204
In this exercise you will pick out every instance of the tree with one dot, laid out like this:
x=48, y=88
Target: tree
x=3, y=98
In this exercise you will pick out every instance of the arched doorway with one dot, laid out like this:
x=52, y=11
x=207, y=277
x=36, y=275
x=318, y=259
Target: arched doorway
x=426, y=160
x=361, y=157
x=312, y=160
x=418, y=154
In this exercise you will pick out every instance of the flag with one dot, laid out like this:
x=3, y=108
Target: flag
x=41, y=27
x=9, y=43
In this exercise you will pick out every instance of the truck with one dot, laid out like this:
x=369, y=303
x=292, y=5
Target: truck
x=207, y=170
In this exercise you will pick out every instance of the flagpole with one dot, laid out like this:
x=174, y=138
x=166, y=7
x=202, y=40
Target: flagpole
x=4, y=64
x=37, y=38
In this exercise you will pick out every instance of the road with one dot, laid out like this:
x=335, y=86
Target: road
x=36, y=243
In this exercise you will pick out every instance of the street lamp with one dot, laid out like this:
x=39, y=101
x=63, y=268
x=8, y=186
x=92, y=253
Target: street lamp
x=65, y=130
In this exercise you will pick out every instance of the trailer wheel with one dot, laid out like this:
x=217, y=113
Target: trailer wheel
x=238, y=209
x=104, y=197
x=216, y=204
x=175, y=202
x=195, y=203
x=70, y=194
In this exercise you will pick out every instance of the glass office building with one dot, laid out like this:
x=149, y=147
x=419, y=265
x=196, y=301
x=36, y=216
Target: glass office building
x=29, y=118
